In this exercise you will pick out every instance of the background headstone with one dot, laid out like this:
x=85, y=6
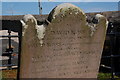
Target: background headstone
x=66, y=46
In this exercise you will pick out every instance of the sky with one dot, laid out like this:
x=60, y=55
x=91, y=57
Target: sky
x=60, y=0
x=22, y=8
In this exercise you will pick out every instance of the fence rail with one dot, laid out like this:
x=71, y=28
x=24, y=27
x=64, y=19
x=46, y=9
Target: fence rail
x=10, y=50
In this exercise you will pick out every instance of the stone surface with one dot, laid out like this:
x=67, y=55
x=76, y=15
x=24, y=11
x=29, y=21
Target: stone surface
x=64, y=47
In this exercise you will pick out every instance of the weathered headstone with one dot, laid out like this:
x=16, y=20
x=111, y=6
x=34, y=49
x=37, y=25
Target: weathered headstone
x=66, y=47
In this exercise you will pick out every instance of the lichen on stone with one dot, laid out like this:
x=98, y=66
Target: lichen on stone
x=28, y=22
x=95, y=22
x=62, y=9
x=40, y=32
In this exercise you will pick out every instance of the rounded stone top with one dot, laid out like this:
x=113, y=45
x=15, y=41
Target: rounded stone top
x=63, y=9
x=98, y=16
x=30, y=18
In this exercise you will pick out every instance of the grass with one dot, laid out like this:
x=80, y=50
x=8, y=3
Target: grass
x=13, y=74
x=105, y=76
x=9, y=73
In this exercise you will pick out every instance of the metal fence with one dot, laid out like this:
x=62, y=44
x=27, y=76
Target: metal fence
x=9, y=50
x=112, y=40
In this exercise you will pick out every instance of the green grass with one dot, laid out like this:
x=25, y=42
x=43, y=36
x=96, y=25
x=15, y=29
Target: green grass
x=9, y=73
x=105, y=76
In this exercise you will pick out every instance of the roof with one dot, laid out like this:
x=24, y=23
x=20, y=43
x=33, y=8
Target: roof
x=112, y=16
x=13, y=22
x=19, y=17
x=109, y=15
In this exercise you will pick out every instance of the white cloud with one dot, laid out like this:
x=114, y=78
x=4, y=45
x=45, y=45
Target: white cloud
x=95, y=10
x=50, y=0
x=61, y=0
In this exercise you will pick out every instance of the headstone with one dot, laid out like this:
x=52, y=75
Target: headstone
x=66, y=46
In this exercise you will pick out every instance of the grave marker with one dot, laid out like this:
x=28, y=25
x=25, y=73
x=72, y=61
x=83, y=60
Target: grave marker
x=66, y=47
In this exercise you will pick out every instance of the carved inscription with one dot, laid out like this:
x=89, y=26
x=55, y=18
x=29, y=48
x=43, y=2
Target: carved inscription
x=61, y=51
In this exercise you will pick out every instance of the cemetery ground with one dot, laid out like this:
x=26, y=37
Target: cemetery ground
x=13, y=74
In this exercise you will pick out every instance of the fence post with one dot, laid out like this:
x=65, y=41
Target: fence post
x=19, y=55
x=112, y=43
x=10, y=49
